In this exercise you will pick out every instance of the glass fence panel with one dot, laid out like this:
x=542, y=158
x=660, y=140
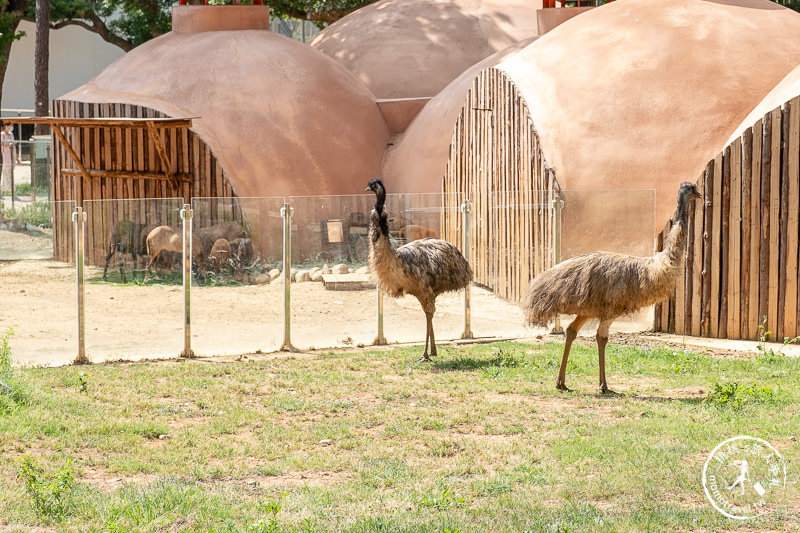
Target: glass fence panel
x=417, y=216
x=511, y=242
x=333, y=297
x=237, y=296
x=620, y=221
x=134, y=309
x=38, y=288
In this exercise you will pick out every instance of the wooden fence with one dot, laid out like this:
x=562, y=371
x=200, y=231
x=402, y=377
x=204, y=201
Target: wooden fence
x=496, y=161
x=124, y=164
x=742, y=257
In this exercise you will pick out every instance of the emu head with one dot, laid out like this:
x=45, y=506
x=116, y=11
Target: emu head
x=376, y=185
x=689, y=191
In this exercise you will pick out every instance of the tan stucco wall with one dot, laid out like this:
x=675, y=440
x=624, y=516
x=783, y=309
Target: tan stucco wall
x=550, y=18
x=281, y=118
x=788, y=88
x=414, y=48
x=192, y=19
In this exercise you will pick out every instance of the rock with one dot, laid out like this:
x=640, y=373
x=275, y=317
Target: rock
x=262, y=279
x=292, y=273
x=363, y=270
x=274, y=274
x=316, y=276
x=326, y=442
x=341, y=268
x=302, y=275
x=315, y=270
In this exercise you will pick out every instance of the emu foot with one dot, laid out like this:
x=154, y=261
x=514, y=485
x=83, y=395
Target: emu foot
x=562, y=387
x=606, y=390
x=425, y=358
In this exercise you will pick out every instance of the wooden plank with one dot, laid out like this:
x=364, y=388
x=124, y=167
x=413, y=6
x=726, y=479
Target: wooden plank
x=746, y=225
x=93, y=122
x=716, y=236
x=791, y=318
x=753, y=318
x=765, y=221
x=123, y=174
x=735, y=247
x=696, y=245
x=774, y=220
x=707, y=273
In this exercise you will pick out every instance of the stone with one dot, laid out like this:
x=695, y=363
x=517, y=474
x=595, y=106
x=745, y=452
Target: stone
x=341, y=268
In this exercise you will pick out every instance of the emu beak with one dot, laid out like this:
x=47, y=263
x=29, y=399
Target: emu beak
x=367, y=189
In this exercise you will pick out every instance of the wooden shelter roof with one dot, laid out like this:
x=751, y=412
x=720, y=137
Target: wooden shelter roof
x=111, y=122
x=151, y=124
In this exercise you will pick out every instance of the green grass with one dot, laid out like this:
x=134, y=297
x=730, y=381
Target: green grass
x=372, y=440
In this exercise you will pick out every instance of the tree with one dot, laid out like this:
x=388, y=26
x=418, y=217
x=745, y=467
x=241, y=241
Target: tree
x=41, y=83
x=11, y=13
x=319, y=11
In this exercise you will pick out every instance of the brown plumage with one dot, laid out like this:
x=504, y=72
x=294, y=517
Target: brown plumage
x=424, y=268
x=606, y=285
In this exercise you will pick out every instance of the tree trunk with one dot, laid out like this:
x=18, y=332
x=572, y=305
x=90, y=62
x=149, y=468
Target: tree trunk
x=42, y=64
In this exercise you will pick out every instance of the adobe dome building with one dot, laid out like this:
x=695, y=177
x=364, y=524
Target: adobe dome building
x=273, y=117
x=414, y=48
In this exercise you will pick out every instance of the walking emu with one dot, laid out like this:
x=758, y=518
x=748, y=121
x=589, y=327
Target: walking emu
x=606, y=285
x=424, y=268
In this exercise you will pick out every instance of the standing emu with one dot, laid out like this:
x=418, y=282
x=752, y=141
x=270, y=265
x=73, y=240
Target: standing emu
x=606, y=285
x=424, y=268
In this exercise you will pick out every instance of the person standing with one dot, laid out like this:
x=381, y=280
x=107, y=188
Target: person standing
x=9, y=157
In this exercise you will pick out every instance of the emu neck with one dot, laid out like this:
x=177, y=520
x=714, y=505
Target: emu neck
x=675, y=243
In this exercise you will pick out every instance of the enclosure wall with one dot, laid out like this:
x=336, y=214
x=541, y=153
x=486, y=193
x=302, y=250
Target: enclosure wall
x=495, y=156
x=742, y=258
x=124, y=163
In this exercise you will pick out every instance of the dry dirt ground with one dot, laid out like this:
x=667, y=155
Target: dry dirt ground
x=38, y=297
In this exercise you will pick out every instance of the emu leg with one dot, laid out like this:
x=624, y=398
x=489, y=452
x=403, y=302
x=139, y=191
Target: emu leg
x=572, y=332
x=429, y=308
x=602, y=340
x=108, y=260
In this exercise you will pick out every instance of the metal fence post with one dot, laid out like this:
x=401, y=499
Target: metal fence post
x=558, y=205
x=79, y=221
x=286, y=213
x=466, y=208
x=186, y=216
x=380, y=340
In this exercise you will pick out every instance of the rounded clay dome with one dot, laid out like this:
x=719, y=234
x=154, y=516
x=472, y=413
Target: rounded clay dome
x=414, y=48
x=280, y=117
x=641, y=94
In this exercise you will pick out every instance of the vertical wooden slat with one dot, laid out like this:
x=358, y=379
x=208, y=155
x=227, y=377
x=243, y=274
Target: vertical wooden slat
x=716, y=266
x=755, y=232
x=697, y=269
x=792, y=145
x=734, y=238
x=774, y=220
x=746, y=229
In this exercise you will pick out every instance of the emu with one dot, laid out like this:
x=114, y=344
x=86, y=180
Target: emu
x=424, y=268
x=607, y=285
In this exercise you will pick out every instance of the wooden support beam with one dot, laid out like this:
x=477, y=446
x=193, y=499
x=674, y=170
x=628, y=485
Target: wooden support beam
x=105, y=122
x=122, y=174
x=158, y=141
x=75, y=157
